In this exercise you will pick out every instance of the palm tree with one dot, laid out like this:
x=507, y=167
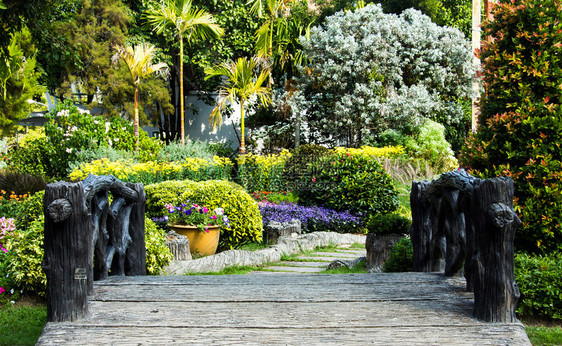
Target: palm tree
x=185, y=20
x=139, y=62
x=239, y=85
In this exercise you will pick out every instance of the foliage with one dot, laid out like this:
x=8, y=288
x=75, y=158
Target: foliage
x=401, y=257
x=19, y=76
x=22, y=263
x=176, y=151
x=21, y=325
x=382, y=72
x=430, y=145
x=243, y=213
x=69, y=130
x=149, y=172
x=262, y=172
x=313, y=218
x=157, y=253
x=193, y=214
x=388, y=223
x=384, y=152
x=343, y=181
x=275, y=197
x=538, y=279
x=20, y=183
x=520, y=126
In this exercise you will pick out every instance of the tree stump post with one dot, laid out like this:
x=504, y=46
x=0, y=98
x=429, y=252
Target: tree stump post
x=136, y=254
x=495, y=290
x=420, y=231
x=454, y=229
x=67, y=246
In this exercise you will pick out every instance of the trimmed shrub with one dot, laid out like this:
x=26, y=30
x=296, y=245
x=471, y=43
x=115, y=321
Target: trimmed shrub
x=538, y=279
x=195, y=169
x=388, y=223
x=343, y=181
x=241, y=209
x=520, y=126
x=275, y=197
x=401, y=257
x=157, y=253
x=313, y=219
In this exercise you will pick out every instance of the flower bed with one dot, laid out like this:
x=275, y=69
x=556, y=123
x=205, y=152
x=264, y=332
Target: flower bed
x=313, y=218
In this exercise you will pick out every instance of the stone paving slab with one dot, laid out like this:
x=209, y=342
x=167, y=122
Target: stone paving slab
x=296, y=269
x=302, y=264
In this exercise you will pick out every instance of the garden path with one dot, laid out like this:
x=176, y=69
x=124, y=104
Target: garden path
x=286, y=308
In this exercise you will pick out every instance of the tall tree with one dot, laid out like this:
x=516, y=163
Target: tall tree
x=239, y=85
x=139, y=62
x=184, y=20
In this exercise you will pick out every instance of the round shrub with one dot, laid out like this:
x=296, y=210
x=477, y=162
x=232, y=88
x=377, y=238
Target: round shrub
x=538, y=279
x=342, y=181
x=240, y=207
x=520, y=126
x=401, y=257
x=157, y=253
x=388, y=223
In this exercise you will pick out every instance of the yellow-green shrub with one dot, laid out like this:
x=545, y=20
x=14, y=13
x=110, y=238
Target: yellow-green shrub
x=240, y=207
x=196, y=169
x=157, y=253
x=262, y=173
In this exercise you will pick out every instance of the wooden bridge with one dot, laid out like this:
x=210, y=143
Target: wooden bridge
x=303, y=309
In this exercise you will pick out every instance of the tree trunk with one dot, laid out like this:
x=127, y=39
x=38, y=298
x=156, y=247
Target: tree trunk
x=495, y=291
x=67, y=245
x=182, y=109
x=421, y=227
x=136, y=121
x=242, y=144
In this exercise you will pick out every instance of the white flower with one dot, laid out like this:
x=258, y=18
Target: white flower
x=110, y=142
x=69, y=150
x=63, y=113
x=219, y=211
x=107, y=125
x=83, y=111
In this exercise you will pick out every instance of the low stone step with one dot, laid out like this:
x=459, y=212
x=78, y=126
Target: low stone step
x=297, y=269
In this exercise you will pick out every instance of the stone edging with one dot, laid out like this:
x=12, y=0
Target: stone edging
x=285, y=246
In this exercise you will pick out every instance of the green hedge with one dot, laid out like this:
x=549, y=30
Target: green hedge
x=241, y=209
x=388, y=223
x=539, y=279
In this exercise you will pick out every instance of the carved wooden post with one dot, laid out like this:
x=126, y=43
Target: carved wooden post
x=437, y=245
x=421, y=227
x=454, y=232
x=67, y=242
x=136, y=255
x=495, y=291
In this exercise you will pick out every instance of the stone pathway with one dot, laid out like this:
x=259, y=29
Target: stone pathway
x=313, y=262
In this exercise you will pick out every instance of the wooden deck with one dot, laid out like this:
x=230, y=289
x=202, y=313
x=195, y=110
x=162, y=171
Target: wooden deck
x=294, y=309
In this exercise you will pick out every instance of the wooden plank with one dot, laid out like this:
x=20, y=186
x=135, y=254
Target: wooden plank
x=412, y=308
x=495, y=334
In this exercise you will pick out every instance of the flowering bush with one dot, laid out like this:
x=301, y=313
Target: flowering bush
x=257, y=172
x=196, y=215
x=313, y=218
x=7, y=227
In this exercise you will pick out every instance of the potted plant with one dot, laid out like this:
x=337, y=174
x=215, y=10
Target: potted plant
x=199, y=224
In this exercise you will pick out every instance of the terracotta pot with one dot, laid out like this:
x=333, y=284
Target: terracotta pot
x=200, y=243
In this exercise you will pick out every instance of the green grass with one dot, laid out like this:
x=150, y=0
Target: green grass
x=21, y=325
x=544, y=335
x=360, y=268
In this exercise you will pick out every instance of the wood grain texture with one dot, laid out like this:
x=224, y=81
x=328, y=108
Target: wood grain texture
x=311, y=309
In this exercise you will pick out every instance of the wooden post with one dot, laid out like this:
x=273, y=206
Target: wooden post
x=136, y=254
x=495, y=291
x=67, y=242
x=420, y=232
x=454, y=229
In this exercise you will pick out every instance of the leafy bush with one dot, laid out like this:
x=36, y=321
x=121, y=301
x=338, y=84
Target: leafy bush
x=430, y=145
x=401, y=257
x=69, y=130
x=196, y=169
x=343, y=181
x=313, y=219
x=241, y=209
x=538, y=279
x=369, y=71
x=22, y=263
x=157, y=253
x=520, y=126
x=21, y=183
x=275, y=197
x=259, y=173
x=388, y=223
